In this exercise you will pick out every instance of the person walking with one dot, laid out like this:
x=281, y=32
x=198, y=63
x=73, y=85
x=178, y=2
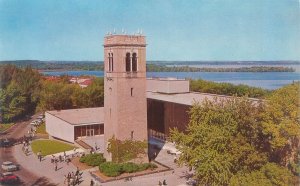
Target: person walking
x=77, y=171
x=39, y=154
x=96, y=146
x=92, y=182
x=65, y=179
x=41, y=157
x=55, y=165
x=164, y=182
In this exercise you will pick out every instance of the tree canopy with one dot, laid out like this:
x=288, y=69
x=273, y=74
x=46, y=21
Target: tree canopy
x=227, y=89
x=19, y=91
x=24, y=91
x=238, y=141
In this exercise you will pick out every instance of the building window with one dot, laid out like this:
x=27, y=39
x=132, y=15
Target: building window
x=112, y=62
x=127, y=62
x=132, y=135
x=131, y=91
x=134, y=62
x=109, y=62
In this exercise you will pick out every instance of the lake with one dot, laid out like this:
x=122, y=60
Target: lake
x=267, y=80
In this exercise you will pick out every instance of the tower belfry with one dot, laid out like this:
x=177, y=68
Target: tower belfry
x=125, y=104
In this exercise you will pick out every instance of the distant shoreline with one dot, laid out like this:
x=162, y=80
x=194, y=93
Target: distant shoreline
x=160, y=68
x=165, y=66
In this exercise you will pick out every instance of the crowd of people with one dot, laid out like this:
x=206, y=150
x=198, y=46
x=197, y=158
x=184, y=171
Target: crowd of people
x=72, y=179
x=162, y=183
x=59, y=159
x=25, y=142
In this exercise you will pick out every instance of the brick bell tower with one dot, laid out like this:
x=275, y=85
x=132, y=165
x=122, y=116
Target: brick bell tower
x=125, y=103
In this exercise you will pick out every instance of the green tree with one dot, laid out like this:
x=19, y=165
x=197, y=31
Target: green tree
x=123, y=151
x=222, y=138
x=56, y=96
x=281, y=125
x=229, y=140
x=19, y=94
x=91, y=96
x=268, y=175
x=6, y=74
x=12, y=102
x=227, y=89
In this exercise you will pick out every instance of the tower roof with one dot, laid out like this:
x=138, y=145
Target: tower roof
x=124, y=40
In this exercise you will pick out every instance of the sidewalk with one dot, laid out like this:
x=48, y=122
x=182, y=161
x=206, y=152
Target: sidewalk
x=68, y=153
x=47, y=169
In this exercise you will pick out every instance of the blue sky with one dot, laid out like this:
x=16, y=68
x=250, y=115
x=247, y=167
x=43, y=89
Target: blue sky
x=175, y=30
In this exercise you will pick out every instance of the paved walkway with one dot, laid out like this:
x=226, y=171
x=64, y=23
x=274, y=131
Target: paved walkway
x=95, y=141
x=46, y=168
x=26, y=176
x=173, y=179
x=68, y=153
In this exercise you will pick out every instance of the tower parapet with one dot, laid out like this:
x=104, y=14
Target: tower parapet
x=125, y=40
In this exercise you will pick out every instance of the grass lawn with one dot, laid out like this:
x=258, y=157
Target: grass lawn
x=4, y=126
x=50, y=147
x=41, y=129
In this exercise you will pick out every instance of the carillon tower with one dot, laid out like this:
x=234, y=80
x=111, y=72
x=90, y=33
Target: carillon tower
x=125, y=103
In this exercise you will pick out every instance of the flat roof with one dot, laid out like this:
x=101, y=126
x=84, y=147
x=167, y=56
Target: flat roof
x=189, y=98
x=80, y=116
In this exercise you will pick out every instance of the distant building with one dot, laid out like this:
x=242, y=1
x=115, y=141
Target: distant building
x=82, y=82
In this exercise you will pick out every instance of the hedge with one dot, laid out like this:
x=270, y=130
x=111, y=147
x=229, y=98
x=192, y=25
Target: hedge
x=114, y=169
x=92, y=159
x=111, y=169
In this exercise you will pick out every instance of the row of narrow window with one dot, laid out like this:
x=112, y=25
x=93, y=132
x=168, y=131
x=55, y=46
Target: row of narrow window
x=131, y=62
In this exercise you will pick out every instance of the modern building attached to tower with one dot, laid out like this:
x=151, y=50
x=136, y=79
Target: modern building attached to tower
x=135, y=107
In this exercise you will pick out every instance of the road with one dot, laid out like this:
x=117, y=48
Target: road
x=7, y=154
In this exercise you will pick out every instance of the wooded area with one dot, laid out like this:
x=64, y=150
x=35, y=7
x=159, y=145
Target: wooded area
x=238, y=142
x=25, y=91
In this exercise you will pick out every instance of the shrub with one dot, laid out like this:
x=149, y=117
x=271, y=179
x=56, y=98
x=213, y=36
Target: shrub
x=152, y=166
x=93, y=159
x=146, y=166
x=130, y=167
x=111, y=169
x=115, y=169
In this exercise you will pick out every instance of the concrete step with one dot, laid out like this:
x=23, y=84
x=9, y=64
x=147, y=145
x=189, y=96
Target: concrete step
x=83, y=144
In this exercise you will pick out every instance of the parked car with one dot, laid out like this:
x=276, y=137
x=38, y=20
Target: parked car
x=191, y=181
x=9, y=166
x=41, y=116
x=9, y=178
x=36, y=122
x=7, y=142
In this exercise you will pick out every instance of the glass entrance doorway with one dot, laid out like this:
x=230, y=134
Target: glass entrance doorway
x=90, y=132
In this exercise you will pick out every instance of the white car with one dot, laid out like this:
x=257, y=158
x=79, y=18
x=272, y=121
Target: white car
x=191, y=181
x=9, y=166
